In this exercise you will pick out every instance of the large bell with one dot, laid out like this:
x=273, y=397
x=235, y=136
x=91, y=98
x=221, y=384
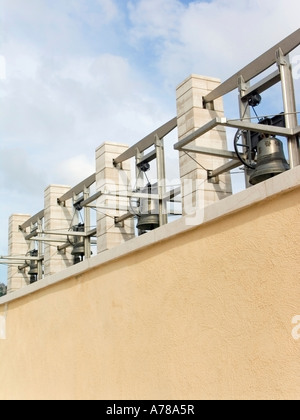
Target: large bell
x=148, y=219
x=270, y=160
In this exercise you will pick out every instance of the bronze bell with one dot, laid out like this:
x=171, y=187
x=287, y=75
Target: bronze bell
x=270, y=160
x=78, y=245
x=33, y=267
x=148, y=219
x=148, y=222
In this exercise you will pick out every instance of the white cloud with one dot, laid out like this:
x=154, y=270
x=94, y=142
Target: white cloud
x=75, y=169
x=155, y=19
x=214, y=38
x=110, y=9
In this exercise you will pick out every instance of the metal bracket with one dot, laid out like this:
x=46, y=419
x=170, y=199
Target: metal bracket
x=212, y=179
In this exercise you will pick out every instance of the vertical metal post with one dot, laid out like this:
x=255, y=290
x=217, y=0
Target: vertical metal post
x=40, y=252
x=289, y=102
x=87, y=224
x=161, y=179
x=244, y=114
x=139, y=175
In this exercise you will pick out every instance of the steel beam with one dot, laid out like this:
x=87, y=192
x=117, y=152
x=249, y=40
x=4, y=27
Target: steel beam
x=262, y=86
x=79, y=188
x=210, y=151
x=34, y=219
x=232, y=164
x=147, y=141
x=256, y=67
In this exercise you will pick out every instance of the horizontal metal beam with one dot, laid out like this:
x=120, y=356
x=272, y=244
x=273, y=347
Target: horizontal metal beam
x=256, y=67
x=124, y=217
x=89, y=200
x=32, y=234
x=62, y=232
x=147, y=141
x=210, y=151
x=130, y=194
x=232, y=164
x=263, y=85
x=21, y=258
x=238, y=124
x=260, y=128
x=48, y=239
x=199, y=132
x=147, y=158
x=34, y=219
x=9, y=262
x=79, y=188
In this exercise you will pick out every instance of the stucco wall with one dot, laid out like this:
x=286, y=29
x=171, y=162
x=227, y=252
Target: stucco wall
x=205, y=314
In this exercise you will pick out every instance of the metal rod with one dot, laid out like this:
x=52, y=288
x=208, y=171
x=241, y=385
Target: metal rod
x=126, y=216
x=202, y=130
x=87, y=222
x=245, y=113
x=89, y=200
x=20, y=258
x=45, y=239
x=61, y=233
x=289, y=102
x=211, y=152
x=161, y=180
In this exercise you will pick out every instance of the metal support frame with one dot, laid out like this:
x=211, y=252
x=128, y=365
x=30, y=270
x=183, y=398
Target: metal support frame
x=161, y=179
x=256, y=67
x=156, y=139
x=289, y=103
x=241, y=80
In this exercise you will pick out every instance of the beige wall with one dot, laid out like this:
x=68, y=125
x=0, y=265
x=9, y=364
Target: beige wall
x=205, y=314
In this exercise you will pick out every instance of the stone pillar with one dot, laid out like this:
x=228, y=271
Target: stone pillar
x=197, y=191
x=111, y=180
x=56, y=217
x=17, y=246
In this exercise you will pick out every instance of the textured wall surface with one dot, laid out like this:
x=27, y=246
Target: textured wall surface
x=206, y=314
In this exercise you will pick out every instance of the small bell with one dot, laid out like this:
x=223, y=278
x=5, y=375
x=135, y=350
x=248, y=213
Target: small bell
x=33, y=267
x=148, y=219
x=78, y=245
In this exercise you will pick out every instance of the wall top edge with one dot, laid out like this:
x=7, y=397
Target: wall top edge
x=200, y=77
x=110, y=143
x=281, y=184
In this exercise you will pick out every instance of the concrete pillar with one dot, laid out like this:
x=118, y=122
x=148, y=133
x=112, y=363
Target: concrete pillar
x=110, y=179
x=17, y=246
x=56, y=217
x=197, y=191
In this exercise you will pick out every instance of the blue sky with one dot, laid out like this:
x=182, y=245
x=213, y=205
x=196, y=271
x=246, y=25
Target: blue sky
x=76, y=73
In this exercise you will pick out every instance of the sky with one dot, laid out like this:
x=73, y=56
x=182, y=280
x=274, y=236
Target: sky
x=77, y=73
